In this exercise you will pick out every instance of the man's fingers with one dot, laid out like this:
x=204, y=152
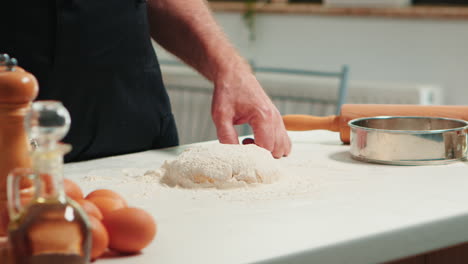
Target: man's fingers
x=285, y=140
x=281, y=145
x=288, y=146
x=263, y=135
x=273, y=137
x=277, y=152
x=227, y=134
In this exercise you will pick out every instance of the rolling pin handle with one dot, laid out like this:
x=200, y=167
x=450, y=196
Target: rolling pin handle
x=307, y=122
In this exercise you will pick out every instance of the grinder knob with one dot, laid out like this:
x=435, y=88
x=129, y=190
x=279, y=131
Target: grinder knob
x=4, y=58
x=11, y=64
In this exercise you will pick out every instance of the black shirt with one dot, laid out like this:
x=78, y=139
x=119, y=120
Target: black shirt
x=96, y=57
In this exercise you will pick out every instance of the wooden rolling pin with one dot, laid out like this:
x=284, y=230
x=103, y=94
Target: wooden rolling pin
x=17, y=90
x=352, y=111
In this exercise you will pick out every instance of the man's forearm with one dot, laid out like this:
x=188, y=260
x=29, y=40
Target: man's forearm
x=187, y=29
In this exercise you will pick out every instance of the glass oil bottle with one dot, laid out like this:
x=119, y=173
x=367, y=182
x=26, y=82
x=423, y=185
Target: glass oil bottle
x=51, y=228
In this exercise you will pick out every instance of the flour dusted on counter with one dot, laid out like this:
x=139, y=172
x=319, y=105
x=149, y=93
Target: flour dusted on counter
x=221, y=166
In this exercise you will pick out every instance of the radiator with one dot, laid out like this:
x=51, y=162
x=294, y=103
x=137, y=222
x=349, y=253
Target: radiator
x=191, y=97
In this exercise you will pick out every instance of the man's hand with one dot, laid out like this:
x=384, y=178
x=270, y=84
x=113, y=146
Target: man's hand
x=239, y=99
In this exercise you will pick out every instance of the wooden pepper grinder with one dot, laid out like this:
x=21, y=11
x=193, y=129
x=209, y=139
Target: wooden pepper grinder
x=18, y=89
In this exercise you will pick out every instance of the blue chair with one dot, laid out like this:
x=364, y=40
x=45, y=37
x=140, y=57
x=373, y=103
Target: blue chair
x=294, y=96
x=342, y=75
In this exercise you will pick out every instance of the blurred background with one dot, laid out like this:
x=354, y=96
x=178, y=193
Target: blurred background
x=365, y=51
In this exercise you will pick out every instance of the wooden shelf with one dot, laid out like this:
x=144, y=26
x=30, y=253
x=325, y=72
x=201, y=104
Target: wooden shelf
x=413, y=12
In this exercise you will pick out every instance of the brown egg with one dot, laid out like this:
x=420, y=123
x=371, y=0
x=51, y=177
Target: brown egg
x=26, y=183
x=25, y=200
x=27, y=187
x=90, y=208
x=106, y=193
x=27, y=191
x=106, y=204
x=73, y=190
x=130, y=229
x=100, y=237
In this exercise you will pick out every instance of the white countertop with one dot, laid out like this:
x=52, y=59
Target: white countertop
x=327, y=208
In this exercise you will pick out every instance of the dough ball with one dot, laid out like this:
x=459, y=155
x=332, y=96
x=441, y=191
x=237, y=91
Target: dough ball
x=221, y=166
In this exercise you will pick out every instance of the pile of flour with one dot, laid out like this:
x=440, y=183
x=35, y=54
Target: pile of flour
x=221, y=166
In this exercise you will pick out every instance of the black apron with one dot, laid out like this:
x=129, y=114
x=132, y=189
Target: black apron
x=96, y=57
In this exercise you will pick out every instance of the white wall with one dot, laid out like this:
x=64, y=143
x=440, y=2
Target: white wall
x=377, y=49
